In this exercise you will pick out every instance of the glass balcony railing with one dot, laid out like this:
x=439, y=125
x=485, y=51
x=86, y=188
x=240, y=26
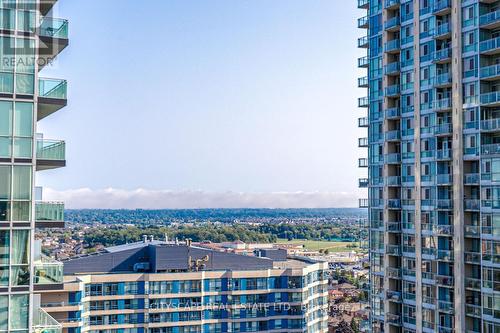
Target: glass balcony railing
x=441, y=104
x=490, y=98
x=48, y=271
x=54, y=28
x=363, y=22
x=489, y=45
x=442, y=29
x=363, y=82
x=53, y=88
x=490, y=149
x=392, y=45
x=363, y=163
x=490, y=124
x=363, y=62
x=49, y=211
x=441, y=129
x=392, y=22
x=393, y=113
x=391, y=3
x=363, y=3
x=393, y=90
x=363, y=203
x=442, y=79
x=392, y=68
x=53, y=150
x=363, y=142
x=489, y=71
x=44, y=323
x=363, y=42
x=441, y=5
x=442, y=55
x=363, y=102
x=486, y=19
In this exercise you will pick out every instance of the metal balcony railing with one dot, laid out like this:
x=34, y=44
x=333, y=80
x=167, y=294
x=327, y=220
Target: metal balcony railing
x=490, y=124
x=490, y=149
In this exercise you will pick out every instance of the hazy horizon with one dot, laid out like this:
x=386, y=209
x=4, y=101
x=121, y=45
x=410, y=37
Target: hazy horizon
x=253, y=98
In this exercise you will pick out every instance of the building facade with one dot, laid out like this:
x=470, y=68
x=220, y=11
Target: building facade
x=30, y=38
x=433, y=144
x=160, y=287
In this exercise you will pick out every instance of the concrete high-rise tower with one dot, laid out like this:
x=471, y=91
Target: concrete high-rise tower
x=433, y=145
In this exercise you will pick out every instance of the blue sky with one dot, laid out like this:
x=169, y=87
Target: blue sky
x=214, y=96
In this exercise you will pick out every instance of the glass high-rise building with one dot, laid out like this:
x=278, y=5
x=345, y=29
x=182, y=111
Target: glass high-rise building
x=30, y=39
x=433, y=119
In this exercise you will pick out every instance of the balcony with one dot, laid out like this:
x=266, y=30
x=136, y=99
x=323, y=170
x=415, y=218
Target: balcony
x=393, y=136
x=393, y=181
x=50, y=154
x=490, y=125
x=490, y=46
x=52, y=96
x=394, y=203
x=53, y=33
x=48, y=273
x=392, y=68
x=393, y=227
x=363, y=142
x=393, y=91
x=490, y=149
x=444, y=154
x=442, y=230
x=393, y=296
x=44, y=323
x=445, y=280
x=442, y=56
x=363, y=183
x=363, y=62
x=472, y=204
x=393, y=319
x=490, y=73
x=443, y=104
x=392, y=46
x=363, y=102
x=394, y=158
x=363, y=42
x=443, y=80
x=472, y=283
x=364, y=22
x=363, y=82
x=444, y=204
x=444, y=179
x=446, y=306
x=393, y=113
x=490, y=99
x=473, y=231
x=490, y=20
x=393, y=23
x=473, y=310
x=443, y=129
x=363, y=4
x=445, y=255
x=472, y=258
x=363, y=122
x=442, y=31
x=394, y=250
x=393, y=273
x=441, y=7
x=363, y=163
x=49, y=214
x=363, y=203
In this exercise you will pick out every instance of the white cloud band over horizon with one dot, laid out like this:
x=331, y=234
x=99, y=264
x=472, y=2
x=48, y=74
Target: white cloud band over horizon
x=112, y=198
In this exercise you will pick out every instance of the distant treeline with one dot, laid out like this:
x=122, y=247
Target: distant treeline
x=264, y=233
x=139, y=216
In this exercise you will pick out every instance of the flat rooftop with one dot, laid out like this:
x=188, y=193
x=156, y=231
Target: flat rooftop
x=162, y=257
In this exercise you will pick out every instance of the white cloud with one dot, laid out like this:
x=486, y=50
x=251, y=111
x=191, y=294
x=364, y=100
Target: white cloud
x=149, y=199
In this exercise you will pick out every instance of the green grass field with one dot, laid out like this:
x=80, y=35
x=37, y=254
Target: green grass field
x=323, y=245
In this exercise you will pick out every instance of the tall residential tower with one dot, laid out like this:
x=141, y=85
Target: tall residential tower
x=433, y=163
x=29, y=40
